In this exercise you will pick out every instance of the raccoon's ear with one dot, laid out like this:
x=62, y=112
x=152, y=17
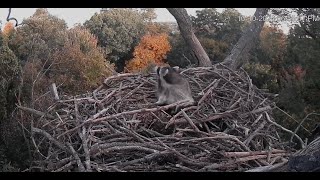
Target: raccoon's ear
x=156, y=69
x=166, y=72
x=176, y=68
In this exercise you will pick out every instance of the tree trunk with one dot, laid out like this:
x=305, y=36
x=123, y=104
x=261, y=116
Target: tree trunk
x=240, y=51
x=305, y=160
x=187, y=32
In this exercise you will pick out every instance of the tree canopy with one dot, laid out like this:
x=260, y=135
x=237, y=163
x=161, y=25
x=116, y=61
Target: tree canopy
x=118, y=31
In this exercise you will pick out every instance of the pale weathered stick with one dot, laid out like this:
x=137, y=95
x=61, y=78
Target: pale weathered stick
x=50, y=138
x=268, y=168
x=243, y=154
x=36, y=112
x=76, y=156
x=54, y=91
x=190, y=121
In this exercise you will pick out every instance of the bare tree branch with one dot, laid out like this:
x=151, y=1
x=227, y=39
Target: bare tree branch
x=237, y=55
x=187, y=32
x=12, y=18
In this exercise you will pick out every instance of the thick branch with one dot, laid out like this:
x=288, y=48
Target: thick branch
x=247, y=40
x=187, y=32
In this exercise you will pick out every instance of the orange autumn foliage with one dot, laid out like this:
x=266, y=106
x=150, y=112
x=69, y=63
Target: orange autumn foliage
x=152, y=49
x=8, y=28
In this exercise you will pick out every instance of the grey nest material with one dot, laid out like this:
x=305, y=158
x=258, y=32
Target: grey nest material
x=117, y=127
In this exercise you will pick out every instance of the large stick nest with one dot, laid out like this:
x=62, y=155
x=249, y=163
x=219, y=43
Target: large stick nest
x=118, y=127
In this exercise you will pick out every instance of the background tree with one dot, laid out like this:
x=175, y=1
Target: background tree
x=310, y=24
x=299, y=94
x=8, y=29
x=148, y=14
x=266, y=58
x=151, y=50
x=288, y=65
x=157, y=28
x=10, y=129
x=226, y=26
x=49, y=52
x=39, y=35
x=34, y=43
x=80, y=63
x=118, y=31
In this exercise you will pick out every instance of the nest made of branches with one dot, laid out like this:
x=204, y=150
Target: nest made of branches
x=118, y=127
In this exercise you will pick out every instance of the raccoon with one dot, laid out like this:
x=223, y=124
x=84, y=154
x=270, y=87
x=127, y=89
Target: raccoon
x=172, y=86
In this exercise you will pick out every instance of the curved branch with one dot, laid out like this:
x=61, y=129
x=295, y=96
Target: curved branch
x=12, y=18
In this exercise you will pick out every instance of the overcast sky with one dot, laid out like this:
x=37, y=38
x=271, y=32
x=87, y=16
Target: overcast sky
x=80, y=15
